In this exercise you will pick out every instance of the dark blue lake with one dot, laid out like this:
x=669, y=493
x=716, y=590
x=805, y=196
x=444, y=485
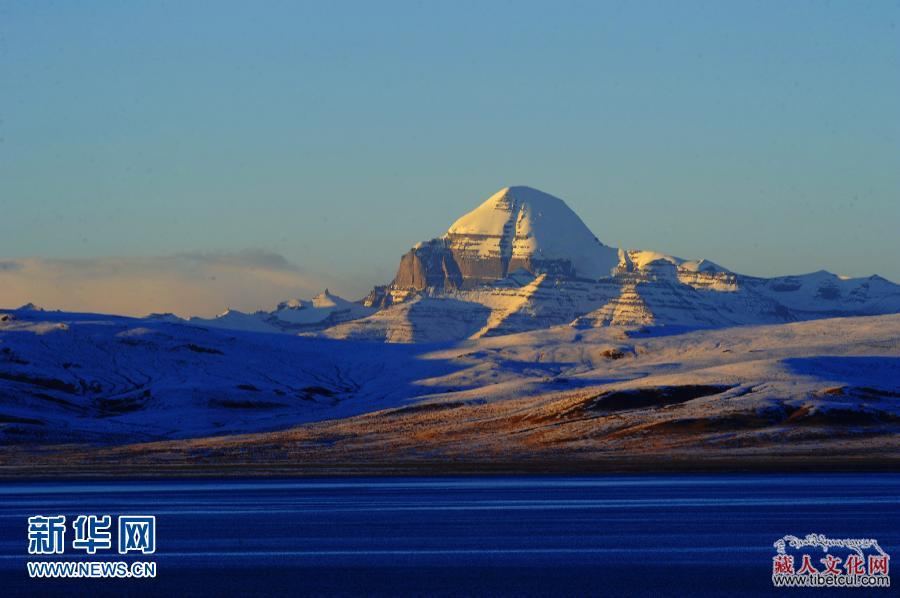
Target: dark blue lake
x=579, y=536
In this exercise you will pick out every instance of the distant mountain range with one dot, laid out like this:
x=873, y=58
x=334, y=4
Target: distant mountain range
x=295, y=315
x=523, y=260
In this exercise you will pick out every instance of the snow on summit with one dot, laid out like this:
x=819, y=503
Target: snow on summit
x=524, y=224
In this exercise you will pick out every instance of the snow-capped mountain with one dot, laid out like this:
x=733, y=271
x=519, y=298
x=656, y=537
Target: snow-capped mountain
x=523, y=260
x=516, y=228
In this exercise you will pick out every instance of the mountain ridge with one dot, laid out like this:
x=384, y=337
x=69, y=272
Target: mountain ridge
x=523, y=260
x=516, y=268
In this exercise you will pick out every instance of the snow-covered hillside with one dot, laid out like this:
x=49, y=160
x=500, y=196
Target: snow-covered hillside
x=103, y=378
x=71, y=384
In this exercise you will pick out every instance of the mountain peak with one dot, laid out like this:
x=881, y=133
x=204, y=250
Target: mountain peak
x=516, y=228
x=325, y=299
x=328, y=299
x=523, y=224
x=494, y=213
x=29, y=307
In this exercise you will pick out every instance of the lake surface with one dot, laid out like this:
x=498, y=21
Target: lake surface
x=580, y=536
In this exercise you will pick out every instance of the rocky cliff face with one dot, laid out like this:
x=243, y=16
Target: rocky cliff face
x=433, y=264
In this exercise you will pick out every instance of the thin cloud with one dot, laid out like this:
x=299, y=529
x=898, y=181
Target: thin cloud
x=9, y=265
x=190, y=283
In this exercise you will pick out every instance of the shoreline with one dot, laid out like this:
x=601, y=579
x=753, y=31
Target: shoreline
x=734, y=466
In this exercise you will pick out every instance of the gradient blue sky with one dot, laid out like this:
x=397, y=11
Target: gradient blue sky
x=762, y=135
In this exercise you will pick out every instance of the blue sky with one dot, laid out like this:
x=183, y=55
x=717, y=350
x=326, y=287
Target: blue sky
x=762, y=135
